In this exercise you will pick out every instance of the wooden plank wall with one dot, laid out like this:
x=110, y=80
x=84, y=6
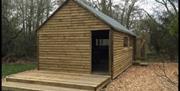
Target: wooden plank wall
x=65, y=40
x=122, y=56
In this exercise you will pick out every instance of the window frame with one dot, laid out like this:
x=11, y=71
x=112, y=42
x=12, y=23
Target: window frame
x=102, y=42
x=125, y=41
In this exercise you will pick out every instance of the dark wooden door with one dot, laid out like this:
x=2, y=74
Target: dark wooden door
x=100, y=51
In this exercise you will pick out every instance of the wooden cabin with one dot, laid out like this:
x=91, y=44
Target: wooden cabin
x=77, y=38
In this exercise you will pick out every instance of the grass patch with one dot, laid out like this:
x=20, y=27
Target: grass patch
x=8, y=69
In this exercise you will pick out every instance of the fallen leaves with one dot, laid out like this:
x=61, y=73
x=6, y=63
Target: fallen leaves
x=144, y=78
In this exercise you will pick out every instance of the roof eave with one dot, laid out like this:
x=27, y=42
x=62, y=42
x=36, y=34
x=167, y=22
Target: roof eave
x=124, y=30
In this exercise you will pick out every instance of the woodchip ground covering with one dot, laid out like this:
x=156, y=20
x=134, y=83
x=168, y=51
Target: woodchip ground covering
x=144, y=78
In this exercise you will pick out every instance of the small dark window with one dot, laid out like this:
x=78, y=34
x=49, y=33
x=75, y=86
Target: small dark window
x=102, y=42
x=130, y=42
x=126, y=41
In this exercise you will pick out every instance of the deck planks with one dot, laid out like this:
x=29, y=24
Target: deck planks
x=60, y=79
x=14, y=86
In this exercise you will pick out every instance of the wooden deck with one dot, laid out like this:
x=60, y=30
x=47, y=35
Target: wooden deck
x=54, y=81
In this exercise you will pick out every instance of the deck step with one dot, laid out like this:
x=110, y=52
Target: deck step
x=56, y=80
x=16, y=86
x=60, y=83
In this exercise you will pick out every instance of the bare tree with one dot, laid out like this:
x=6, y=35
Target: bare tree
x=165, y=3
x=20, y=19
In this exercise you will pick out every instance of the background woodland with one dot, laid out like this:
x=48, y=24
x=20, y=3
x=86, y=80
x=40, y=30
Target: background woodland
x=20, y=19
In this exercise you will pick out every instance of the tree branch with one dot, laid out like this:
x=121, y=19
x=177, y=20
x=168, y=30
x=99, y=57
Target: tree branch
x=174, y=7
x=164, y=3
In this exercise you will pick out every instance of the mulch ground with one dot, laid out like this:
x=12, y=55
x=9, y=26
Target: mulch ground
x=147, y=78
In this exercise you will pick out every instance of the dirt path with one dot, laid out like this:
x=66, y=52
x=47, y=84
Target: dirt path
x=146, y=78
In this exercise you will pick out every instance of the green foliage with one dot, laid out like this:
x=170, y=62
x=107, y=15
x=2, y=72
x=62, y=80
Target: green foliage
x=173, y=26
x=164, y=36
x=20, y=18
x=8, y=69
x=163, y=32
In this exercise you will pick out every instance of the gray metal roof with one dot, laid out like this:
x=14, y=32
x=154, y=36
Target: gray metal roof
x=110, y=21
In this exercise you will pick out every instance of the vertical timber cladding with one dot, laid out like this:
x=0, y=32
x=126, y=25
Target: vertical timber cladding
x=122, y=56
x=65, y=39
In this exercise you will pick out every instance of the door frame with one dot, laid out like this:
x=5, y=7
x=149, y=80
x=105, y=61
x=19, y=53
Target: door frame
x=109, y=48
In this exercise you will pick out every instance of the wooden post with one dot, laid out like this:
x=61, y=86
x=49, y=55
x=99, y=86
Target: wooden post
x=37, y=49
x=111, y=53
